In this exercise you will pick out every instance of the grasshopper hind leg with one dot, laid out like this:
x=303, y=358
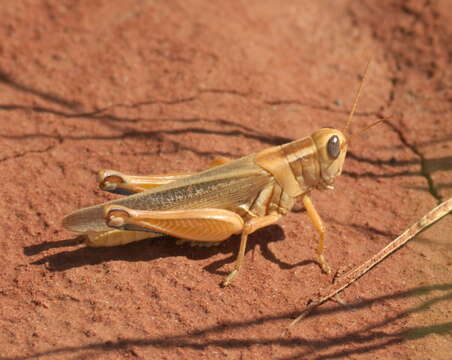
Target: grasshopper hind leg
x=123, y=184
x=202, y=225
x=116, y=237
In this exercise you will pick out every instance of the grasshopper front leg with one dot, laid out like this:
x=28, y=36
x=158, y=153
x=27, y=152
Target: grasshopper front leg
x=123, y=184
x=318, y=225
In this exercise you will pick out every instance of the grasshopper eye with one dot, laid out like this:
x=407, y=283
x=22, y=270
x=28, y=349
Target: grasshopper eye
x=333, y=147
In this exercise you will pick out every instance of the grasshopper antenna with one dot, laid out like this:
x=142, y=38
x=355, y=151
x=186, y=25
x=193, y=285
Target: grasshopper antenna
x=355, y=103
x=366, y=128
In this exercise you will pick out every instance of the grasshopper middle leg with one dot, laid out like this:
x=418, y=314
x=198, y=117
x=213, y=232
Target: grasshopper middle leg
x=250, y=227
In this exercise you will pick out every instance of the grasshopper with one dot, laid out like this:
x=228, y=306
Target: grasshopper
x=230, y=197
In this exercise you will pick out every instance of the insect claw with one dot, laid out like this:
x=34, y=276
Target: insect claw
x=229, y=278
x=324, y=265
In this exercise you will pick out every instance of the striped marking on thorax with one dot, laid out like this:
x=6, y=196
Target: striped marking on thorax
x=303, y=160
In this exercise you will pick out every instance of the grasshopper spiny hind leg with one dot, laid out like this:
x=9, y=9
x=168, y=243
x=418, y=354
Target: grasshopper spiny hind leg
x=122, y=184
x=116, y=237
x=210, y=225
x=118, y=183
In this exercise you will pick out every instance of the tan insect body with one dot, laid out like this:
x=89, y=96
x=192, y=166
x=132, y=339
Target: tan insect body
x=232, y=196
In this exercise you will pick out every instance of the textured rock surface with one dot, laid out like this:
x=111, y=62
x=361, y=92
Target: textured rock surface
x=155, y=87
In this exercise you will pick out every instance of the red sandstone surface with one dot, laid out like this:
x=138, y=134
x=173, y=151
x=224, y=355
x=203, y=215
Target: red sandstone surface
x=154, y=87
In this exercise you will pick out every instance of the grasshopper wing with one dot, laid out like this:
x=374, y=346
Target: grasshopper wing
x=232, y=186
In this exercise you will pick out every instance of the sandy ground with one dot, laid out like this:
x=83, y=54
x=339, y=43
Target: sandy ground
x=154, y=87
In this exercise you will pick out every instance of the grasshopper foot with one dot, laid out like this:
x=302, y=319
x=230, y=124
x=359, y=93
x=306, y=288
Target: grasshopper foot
x=324, y=265
x=229, y=278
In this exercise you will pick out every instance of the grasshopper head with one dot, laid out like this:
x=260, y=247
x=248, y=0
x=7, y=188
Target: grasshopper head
x=331, y=150
x=332, y=144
